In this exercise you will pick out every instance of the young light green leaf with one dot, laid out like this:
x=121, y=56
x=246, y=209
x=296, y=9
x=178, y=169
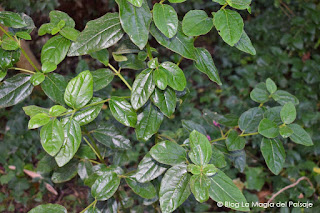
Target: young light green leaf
x=196, y=22
x=142, y=88
x=250, y=119
x=99, y=34
x=48, y=67
x=37, y=78
x=149, y=121
x=199, y=185
x=122, y=110
x=245, y=45
x=194, y=169
x=166, y=19
x=165, y=101
x=300, y=136
x=274, y=154
x=229, y=25
x=69, y=33
x=271, y=86
x=285, y=131
x=52, y=137
x=45, y=208
x=32, y=110
x=135, y=21
x=234, y=141
x=222, y=189
x=57, y=110
x=205, y=64
x=79, y=90
x=175, y=76
x=283, y=97
x=288, y=113
x=145, y=190
x=55, y=50
x=8, y=44
x=54, y=86
x=260, y=94
x=209, y=170
x=105, y=186
x=38, y=120
x=268, y=129
x=72, y=140
x=160, y=78
x=174, y=188
x=11, y=19
x=201, y=151
x=169, y=153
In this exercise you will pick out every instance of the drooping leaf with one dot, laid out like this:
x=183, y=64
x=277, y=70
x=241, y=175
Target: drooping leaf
x=55, y=50
x=122, y=111
x=145, y=190
x=199, y=185
x=135, y=21
x=105, y=186
x=52, y=137
x=250, y=119
x=14, y=90
x=175, y=76
x=274, y=154
x=169, y=153
x=54, y=87
x=201, y=151
x=234, y=141
x=245, y=45
x=174, y=188
x=165, y=100
x=288, y=113
x=268, y=129
x=166, y=19
x=99, y=34
x=196, y=22
x=79, y=90
x=300, y=136
x=49, y=208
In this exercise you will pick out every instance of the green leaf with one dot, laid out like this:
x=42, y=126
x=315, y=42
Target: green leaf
x=274, y=154
x=32, y=110
x=283, y=97
x=209, y=170
x=55, y=50
x=142, y=88
x=145, y=190
x=85, y=152
x=9, y=58
x=54, y=86
x=180, y=43
x=245, y=45
x=149, y=121
x=52, y=136
x=132, y=62
x=169, y=153
x=8, y=44
x=101, y=78
x=160, y=78
x=260, y=94
x=250, y=119
x=11, y=19
x=122, y=111
x=285, y=131
x=199, y=185
x=196, y=22
x=88, y=114
x=148, y=169
x=98, y=34
x=300, y=136
x=38, y=120
x=166, y=19
x=48, y=208
x=218, y=158
x=48, y=67
x=72, y=140
x=102, y=56
x=3, y=74
x=222, y=189
x=255, y=178
x=110, y=136
x=205, y=64
x=177, y=1
x=135, y=21
x=105, y=186
x=234, y=141
x=153, y=63
x=194, y=169
x=175, y=76
x=221, y=2
x=191, y=125
x=268, y=129
x=65, y=173
x=69, y=33
x=271, y=86
x=201, y=151
x=165, y=101
x=273, y=114
x=56, y=16
x=229, y=25
x=57, y=110
x=79, y=90
x=239, y=4
x=37, y=78
x=288, y=113
x=174, y=188
x=137, y=3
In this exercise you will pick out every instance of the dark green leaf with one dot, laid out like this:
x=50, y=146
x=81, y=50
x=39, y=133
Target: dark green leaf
x=169, y=153
x=271, y=86
x=239, y=4
x=52, y=137
x=48, y=67
x=8, y=44
x=300, y=136
x=11, y=19
x=38, y=120
x=283, y=97
x=288, y=113
x=285, y=131
x=274, y=154
x=268, y=129
x=88, y=114
x=191, y=125
x=65, y=173
x=245, y=45
x=165, y=101
x=166, y=19
x=196, y=22
x=122, y=110
x=234, y=141
x=201, y=151
x=48, y=208
x=218, y=158
x=250, y=119
x=259, y=93
x=54, y=86
x=102, y=56
x=145, y=190
x=101, y=78
x=132, y=62
x=55, y=50
x=273, y=114
x=105, y=186
x=199, y=185
x=175, y=76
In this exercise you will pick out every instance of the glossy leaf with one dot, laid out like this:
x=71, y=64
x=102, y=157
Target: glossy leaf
x=56, y=16
x=209, y=170
x=14, y=90
x=145, y=190
x=250, y=119
x=65, y=173
x=201, y=151
x=79, y=90
x=105, y=186
x=37, y=78
x=135, y=21
x=218, y=158
x=149, y=121
x=38, y=120
x=55, y=50
x=88, y=114
x=166, y=19
x=288, y=113
x=169, y=153
x=268, y=129
x=32, y=110
x=300, y=136
x=69, y=33
x=8, y=44
x=165, y=100
x=11, y=19
x=52, y=137
x=283, y=97
x=99, y=34
x=137, y=3
x=122, y=111
x=160, y=78
x=196, y=22
x=57, y=110
x=54, y=87
x=245, y=45
x=199, y=185
x=274, y=154
x=142, y=89
x=234, y=141
x=102, y=56
x=175, y=76
x=101, y=78
x=49, y=208
x=194, y=169
x=229, y=25
x=174, y=188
